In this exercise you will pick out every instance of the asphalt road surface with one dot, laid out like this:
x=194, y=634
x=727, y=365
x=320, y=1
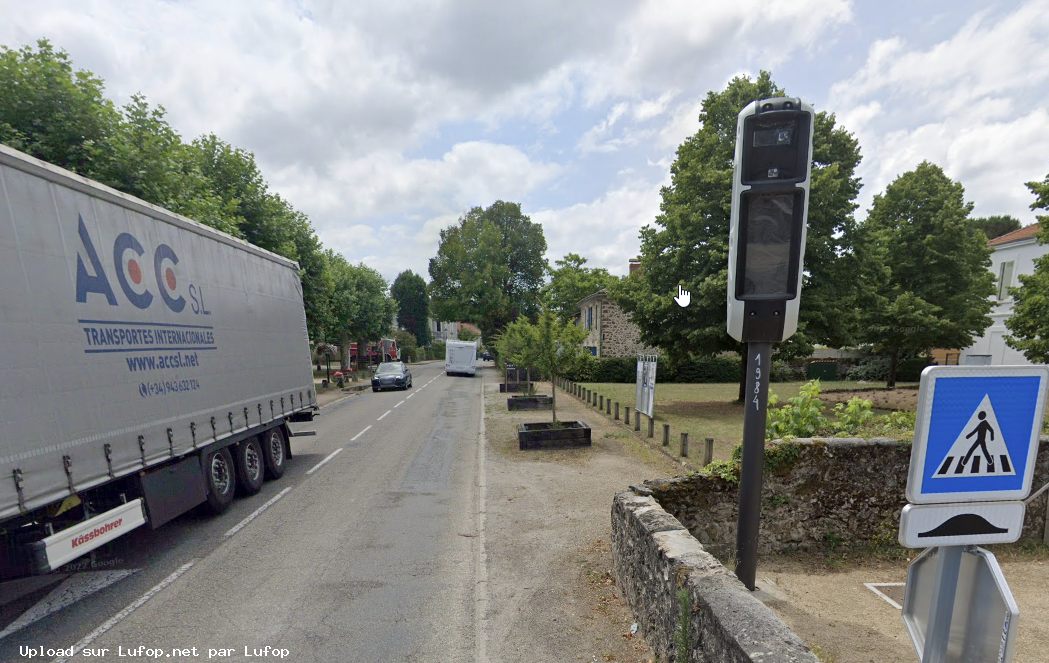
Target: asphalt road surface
x=370, y=548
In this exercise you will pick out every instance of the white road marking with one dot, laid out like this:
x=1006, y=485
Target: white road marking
x=354, y=438
x=873, y=586
x=481, y=563
x=409, y=396
x=242, y=524
x=117, y=618
x=321, y=464
x=398, y=405
x=74, y=588
x=384, y=416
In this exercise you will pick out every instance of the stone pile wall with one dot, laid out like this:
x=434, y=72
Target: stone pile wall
x=818, y=494
x=660, y=568
x=620, y=336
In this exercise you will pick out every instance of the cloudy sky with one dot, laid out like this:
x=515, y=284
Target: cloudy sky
x=385, y=121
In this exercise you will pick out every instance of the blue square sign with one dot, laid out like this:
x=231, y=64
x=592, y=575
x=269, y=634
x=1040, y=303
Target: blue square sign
x=977, y=433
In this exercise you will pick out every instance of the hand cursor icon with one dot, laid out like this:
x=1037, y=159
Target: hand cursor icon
x=683, y=297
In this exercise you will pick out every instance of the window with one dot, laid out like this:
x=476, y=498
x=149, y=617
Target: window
x=1005, y=279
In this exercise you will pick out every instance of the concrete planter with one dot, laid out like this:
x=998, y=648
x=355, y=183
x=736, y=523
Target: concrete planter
x=529, y=403
x=569, y=434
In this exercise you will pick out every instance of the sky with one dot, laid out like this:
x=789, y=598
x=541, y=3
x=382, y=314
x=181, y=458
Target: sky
x=386, y=121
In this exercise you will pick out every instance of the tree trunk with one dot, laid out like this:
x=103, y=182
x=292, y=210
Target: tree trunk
x=553, y=395
x=344, y=351
x=894, y=362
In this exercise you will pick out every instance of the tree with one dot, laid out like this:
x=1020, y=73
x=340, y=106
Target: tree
x=489, y=268
x=51, y=112
x=933, y=283
x=413, y=305
x=996, y=226
x=1029, y=322
x=688, y=244
x=549, y=345
x=571, y=282
x=361, y=309
x=406, y=344
x=467, y=334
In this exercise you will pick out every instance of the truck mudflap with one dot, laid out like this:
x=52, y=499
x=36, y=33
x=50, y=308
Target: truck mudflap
x=65, y=546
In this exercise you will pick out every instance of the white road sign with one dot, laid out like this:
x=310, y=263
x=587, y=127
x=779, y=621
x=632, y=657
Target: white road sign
x=966, y=523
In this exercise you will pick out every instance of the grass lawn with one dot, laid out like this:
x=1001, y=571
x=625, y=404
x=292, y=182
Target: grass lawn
x=706, y=410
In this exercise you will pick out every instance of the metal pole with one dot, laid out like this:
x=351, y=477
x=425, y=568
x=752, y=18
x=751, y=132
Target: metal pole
x=754, y=409
x=945, y=587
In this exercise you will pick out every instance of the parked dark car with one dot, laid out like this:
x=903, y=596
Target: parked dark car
x=391, y=375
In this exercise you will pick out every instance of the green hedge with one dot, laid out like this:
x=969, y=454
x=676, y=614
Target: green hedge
x=624, y=370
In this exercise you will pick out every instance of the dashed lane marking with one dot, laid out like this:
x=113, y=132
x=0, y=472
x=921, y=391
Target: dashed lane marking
x=384, y=415
x=255, y=514
x=354, y=438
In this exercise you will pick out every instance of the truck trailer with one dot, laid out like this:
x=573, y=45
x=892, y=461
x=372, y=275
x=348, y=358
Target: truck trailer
x=148, y=364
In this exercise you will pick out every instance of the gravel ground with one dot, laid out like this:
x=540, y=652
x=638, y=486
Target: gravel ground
x=844, y=622
x=550, y=591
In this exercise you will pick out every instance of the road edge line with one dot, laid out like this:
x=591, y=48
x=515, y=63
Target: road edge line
x=481, y=563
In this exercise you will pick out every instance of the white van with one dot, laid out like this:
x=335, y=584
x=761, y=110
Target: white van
x=460, y=357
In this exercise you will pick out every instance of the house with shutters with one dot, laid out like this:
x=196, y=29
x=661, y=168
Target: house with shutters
x=1014, y=254
x=610, y=332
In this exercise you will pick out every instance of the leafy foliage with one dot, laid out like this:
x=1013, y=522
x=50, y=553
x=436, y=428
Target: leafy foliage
x=548, y=345
x=688, y=243
x=995, y=226
x=801, y=416
x=1029, y=322
x=489, y=268
x=932, y=279
x=570, y=282
x=707, y=370
x=361, y=310
x=852, y=416
x=413, y=305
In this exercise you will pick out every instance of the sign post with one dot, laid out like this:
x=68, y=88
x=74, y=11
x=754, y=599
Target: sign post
x=645, y=386
x=972, y=464
x=770, y=190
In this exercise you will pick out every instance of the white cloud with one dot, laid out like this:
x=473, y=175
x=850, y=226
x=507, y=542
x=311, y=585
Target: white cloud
x=973, y=103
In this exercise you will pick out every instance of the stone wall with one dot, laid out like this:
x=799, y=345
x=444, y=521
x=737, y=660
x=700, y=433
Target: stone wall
x=619, y=336
x=655, y=560
x=818, y=493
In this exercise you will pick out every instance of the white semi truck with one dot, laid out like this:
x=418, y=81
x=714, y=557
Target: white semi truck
x=460, y=357
x=148, y=364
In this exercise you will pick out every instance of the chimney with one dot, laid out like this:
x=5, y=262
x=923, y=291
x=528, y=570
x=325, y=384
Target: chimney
x=635, y=264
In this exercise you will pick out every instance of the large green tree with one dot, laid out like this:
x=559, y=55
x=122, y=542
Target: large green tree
x=932, y=285
x=688, y=243
x=489, y=268
x=362, y=311
x=50, y=111
x=413, y=305
x=1029, y=322
x=571, y=281
x=996, y=226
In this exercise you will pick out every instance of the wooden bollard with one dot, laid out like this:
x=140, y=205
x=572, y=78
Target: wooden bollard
x=708, y=451
x=608, y=407
x=589, y=393
x=627, y=416
x=684, y=445
x=617, y=410
x=601, y=402
x=651, y=427
x=637, y=420
x=666, y=435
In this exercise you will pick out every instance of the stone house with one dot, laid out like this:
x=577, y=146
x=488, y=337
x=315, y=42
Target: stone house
x=610, y=333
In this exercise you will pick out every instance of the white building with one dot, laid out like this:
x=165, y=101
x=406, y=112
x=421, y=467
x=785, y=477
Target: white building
x=444, y=331
x=1014, y=254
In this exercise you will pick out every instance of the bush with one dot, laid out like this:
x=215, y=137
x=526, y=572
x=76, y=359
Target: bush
x=871, y=369
x=910, y=370
x=783, y=371
x=624, y=370
x=802, y=416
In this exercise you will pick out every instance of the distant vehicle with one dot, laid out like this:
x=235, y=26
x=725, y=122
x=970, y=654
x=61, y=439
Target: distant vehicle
x=486, y=356
x=392, y=375
x=460, y=357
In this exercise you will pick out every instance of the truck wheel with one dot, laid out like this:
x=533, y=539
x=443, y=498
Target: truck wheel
x=219, y=479
x=273, y=453
x=251, y=468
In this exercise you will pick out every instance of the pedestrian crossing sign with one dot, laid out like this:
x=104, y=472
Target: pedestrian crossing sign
x=977, y=433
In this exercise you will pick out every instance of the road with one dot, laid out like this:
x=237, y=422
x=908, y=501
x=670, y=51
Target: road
x=370, y=548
